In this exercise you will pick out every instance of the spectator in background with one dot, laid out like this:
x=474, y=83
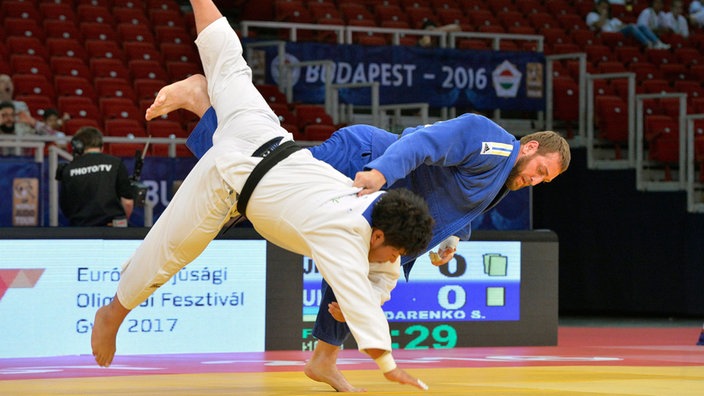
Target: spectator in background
x=95, y=187
x=696, y=13
x=600, y=20
x=674, y=21
x=51, y=123
x=9, y=125
x=432, y=41
x=652, y=17
x=7, y=94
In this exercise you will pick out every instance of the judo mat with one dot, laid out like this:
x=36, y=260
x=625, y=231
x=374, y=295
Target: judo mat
x=587, y=361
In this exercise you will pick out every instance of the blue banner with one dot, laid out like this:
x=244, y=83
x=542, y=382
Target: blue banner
x=482, y=80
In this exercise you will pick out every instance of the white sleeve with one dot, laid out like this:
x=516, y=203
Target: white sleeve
x=383, y=277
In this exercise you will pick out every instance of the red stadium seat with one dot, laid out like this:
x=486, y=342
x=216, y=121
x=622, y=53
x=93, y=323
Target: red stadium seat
x=116, y=108
x=165, y=128
x=611, y=115
x=149, y=69
x=141, y=50
x=180, y=70
x=124, y=127
x=318, y=132
x=139, y=33
x=65, y=66
x=62, y=29
x=168, y=17
x=103, y=49
x=147, y=88
x=311, y=114
x=30, y=64
x=27, y=46
x=57, y=11
x=98, y=31
x=66, y=47
x=78, y=107
x=94, y=13
x=173, y=52
x=272, y=94
x=36, y=103
x=173, y=34
x=565, y=99
x=112, y=68
x=32, y=84
x=74, y=86
x=72, y=125
x=131, y=15
x=107, y=87
x=21, y=27
x=19, y=9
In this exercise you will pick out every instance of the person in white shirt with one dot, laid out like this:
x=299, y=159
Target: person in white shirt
x=600, y=20
x=696, y=13
x=675, y=21
x=652, y=17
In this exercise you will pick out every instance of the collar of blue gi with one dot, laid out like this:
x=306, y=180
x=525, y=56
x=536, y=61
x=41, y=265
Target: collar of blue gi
x=368, y=212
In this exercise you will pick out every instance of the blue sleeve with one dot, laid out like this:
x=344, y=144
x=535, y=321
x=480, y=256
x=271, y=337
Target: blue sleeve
x=201, y=138
x=456, y=142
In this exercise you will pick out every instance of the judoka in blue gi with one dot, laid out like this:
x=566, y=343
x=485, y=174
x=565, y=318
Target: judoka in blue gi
x=462, y=167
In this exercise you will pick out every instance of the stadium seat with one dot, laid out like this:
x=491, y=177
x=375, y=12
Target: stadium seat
x=139, y=33
x=103, y=49
x=94, y=13
x=74, y=86
x=62, y=29
x=180, y=70
x=656, y=86
x=162, y=5
x=658, y=126
x=417, y=16
x=124, y=127
x=628, y=54
x=673, y=71
x=172, y=34
x=389, y=12
x=36, y=104
x=611, y=116
x=584, y=37
x=147, y=88
x=311, y=114
x=66, y=66
x=565, y=99
x=32, y=84
x=98, y=31
x=644, y=71
x=78, y=107
x=141, y=50
x=355, y=11
x=149, y=69
x=123, y=149
x=318, y=132
x=66, y=47
x=27, y=46
x=116, y=108
x=168, y=17
x=131, y=15
x=106, y=67
x=292, y=11
x=115, y=88
x=272, y=94
x=19, y=9
x=57, y=12
x=20, y=27
x=165, y=128
x=72, y=125
x=179, y=52
x=30, y=64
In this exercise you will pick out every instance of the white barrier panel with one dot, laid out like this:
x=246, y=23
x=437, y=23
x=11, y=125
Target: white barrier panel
x=50, y=290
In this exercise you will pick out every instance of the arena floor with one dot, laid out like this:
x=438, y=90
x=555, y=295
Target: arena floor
x=589, y=360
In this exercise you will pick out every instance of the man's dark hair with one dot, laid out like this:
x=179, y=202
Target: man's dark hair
x=405, y=220
x=7, y=104
x=91, y=137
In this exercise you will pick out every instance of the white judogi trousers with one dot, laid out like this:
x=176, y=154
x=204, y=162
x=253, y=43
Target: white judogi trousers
x=302, y=204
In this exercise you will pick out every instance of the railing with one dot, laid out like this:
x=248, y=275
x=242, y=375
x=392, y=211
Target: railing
x=589, y=114
x=641, y=164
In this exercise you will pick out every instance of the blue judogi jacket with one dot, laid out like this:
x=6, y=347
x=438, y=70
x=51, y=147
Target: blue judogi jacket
x=458, y=166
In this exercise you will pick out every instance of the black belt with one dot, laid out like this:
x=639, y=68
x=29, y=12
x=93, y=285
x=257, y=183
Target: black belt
x=272, y=152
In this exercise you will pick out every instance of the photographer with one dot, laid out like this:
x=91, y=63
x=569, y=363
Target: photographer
x=95, y=187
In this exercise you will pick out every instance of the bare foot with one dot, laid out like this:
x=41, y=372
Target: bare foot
x=190, y=94
x=322, y=368
x=105, y=326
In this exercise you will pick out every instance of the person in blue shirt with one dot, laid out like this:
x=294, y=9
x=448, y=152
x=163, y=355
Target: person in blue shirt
x=462, y=167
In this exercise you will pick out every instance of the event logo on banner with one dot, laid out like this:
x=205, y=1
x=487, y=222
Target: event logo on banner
x=442, y=77
x=25, y=202
x=15, y=278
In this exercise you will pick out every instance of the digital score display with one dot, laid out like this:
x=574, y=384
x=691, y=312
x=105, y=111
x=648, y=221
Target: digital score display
x=481, y=284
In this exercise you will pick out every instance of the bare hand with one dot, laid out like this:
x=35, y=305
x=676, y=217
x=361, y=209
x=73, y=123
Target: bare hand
x=370, y=181
x=402, y=377
x=336, y=312
x=442, y=257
